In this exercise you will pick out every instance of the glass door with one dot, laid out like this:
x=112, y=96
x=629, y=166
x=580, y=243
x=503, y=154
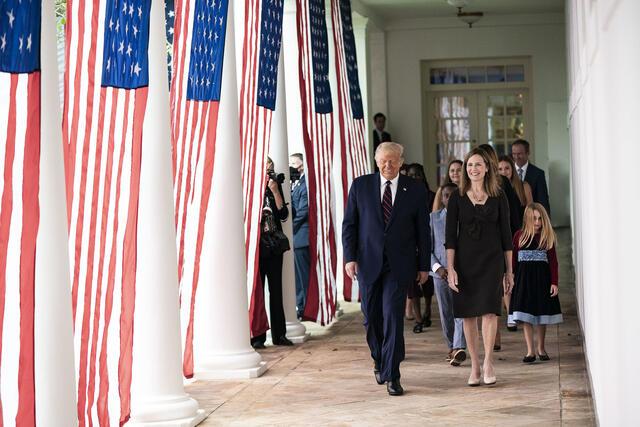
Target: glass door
x=504, y=117
x=452, y=129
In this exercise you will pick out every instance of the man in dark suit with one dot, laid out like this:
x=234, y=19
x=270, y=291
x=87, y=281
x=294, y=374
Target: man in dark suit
x=300, y=211
x=379, y=134
x=530, y=173
x=386, y=241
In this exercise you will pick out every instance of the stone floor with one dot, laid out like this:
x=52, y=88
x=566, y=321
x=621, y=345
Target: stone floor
x=329, y=381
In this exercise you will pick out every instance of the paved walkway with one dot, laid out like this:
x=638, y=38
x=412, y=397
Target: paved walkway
x=329, y=380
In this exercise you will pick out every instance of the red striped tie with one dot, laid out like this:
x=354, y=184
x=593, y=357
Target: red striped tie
x=387, y=206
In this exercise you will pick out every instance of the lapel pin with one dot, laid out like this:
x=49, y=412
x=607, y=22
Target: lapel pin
x=404, y=188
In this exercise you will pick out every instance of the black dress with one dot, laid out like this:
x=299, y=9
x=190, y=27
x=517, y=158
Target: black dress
x=535, y=270
x=479, y=234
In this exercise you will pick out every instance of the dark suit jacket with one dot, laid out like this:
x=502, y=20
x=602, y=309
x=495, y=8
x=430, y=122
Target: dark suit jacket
x=365, y=238
x=535, y=178
x=386, y=137
x=300, y=211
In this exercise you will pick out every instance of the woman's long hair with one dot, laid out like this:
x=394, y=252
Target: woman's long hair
x=516, y=183
x=437, y=201
x=547, y=235
x=490, y=184
x=447, y=178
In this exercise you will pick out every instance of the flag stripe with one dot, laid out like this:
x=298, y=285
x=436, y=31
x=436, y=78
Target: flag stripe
x=204, y=205
x=6, y=210
x=30, y=219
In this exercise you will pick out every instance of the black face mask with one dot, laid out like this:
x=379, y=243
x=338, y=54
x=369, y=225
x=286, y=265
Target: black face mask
x=294, y=174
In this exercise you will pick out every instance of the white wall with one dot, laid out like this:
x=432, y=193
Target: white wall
x=539, y=36
x=604, y=91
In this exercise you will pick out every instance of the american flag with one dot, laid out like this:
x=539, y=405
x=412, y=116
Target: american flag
x=317, y=128
x=105, y=101
x=35, y=303
x=198, y=53
x=262, y=38
x=352, y=145
x=19, y=207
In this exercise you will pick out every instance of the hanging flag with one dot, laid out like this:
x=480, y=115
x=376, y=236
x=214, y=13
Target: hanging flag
x=198, y=53
x=352, y=145
x=19, y=207
x=106, y=90
x=317, y=129
x=262, y=37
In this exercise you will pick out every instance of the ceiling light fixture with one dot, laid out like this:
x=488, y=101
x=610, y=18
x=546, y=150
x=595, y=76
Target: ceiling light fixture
x=469, y=17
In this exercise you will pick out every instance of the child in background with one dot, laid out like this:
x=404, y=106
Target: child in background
x=534, y=299
x=451, y=327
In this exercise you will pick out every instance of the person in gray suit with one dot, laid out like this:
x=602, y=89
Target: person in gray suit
x=452, y=328
x=300, y=211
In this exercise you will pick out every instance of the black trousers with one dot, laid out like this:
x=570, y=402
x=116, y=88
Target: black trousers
x=382, y=304
x=271, y=268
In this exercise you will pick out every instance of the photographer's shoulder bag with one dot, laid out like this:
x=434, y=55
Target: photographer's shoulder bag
x=273, y=241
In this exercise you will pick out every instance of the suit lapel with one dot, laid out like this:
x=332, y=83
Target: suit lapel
x=375, y=192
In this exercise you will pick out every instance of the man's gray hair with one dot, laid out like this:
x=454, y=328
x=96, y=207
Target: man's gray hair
x=389, y=147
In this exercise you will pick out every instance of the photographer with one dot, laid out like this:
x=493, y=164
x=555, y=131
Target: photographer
x=273, y=243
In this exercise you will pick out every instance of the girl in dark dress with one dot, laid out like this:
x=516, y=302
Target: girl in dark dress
x=535, y=294
x=478, y=242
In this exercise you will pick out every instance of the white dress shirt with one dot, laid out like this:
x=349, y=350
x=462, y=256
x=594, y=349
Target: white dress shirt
x=394, y=187
x=524, y=170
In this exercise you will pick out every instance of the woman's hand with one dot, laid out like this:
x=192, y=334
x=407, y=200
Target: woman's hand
x=273, y=186
x=452, y=278
x=554, y=291
x=507, y=283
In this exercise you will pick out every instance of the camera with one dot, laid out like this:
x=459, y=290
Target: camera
x=277, y=177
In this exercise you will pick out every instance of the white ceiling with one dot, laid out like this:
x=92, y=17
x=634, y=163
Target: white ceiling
x=403, y=9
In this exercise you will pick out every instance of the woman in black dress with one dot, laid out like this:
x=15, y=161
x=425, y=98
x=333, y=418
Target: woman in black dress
x=478, y=242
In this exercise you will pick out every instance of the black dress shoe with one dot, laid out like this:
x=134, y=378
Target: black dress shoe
x=376, y=373
x=394, y=388
x=529, y=359
x=282, y=341
x=258, y=345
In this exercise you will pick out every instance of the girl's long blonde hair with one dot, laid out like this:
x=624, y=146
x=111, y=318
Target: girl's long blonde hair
x=547, y=235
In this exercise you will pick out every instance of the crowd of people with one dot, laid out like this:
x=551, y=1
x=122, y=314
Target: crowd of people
x=482, y=243
x=491, y=251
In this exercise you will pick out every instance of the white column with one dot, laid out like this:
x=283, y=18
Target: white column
x=53, y=326
x=279, y=153
x=157, y=392
x=221, y=336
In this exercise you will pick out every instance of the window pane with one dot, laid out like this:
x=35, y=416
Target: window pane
x=495, y=106
x=495, y=74
x=447, y=152
x=515, y=73
x=453, y=130
x=458, y=75
x=495, y=128
x=442, y=107
x=477, y=75
x=514, y=104
x=516, y=126
x=438, y=76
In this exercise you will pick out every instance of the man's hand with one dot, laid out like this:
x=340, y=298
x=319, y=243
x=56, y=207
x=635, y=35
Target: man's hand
x=351, y=268
x=422, y=277
x=442, y=272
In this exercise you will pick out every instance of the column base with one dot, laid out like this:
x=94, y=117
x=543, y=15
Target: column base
x=243, y=365
x=296, y=332
x=175, y=411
